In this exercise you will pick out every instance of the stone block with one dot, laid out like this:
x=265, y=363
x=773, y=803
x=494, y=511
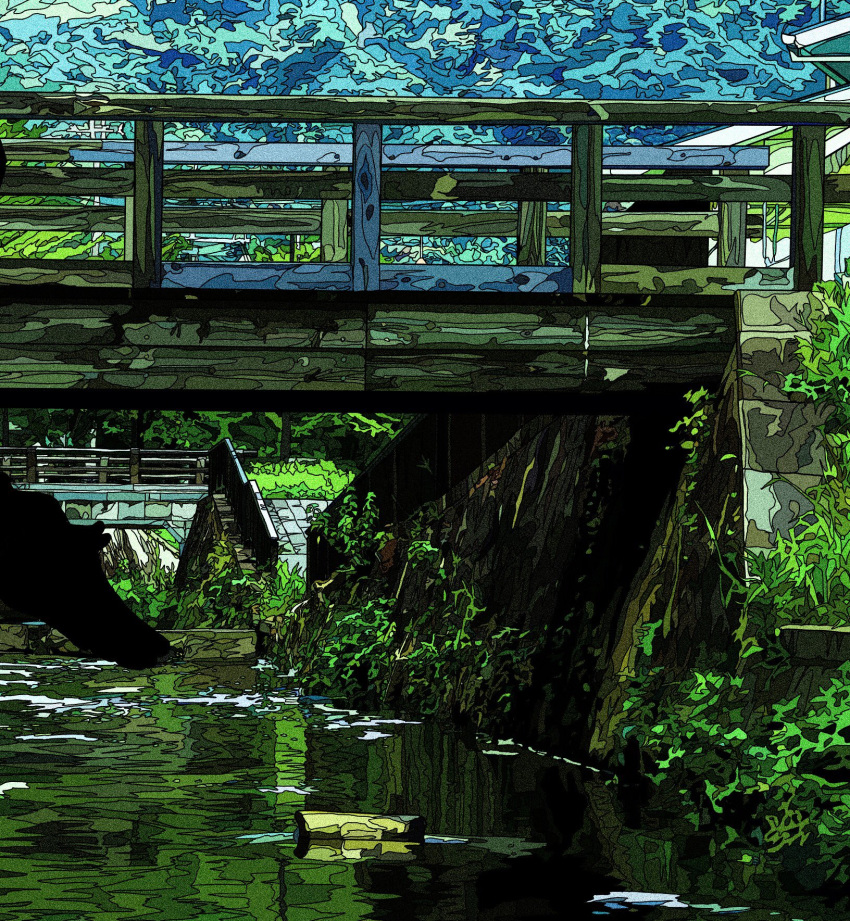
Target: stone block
x=766, y=358
x=817, y=644
x=783, y=437
x=780, y=312
x=184, y=510
x=14, y=637
x=158, y=510
x=131, y=511
x=77, y=510
x=773, y=506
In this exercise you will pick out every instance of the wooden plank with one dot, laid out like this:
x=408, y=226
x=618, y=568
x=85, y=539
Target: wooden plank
x=448, y=223
x=560, y=156
x=646, y=369
x=531, y=229
x=406, y=186
x=711, y=281
x=147, y=205
x=586, y=209
x=414, y=110
x=366, y=208
x=76, y=272
x=807, y=202
x=236, y=183
x=186, y=369
x=477, y=186
x=417, y=155
x=732, y=234
x=437, y=278
x=72, y=218
x=488, y=327
x=334, y=239
x=474, y=372
x=281, y=276
x=72, y=180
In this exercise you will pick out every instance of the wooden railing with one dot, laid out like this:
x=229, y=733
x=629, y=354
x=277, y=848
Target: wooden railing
x=226, y=475
x=105, y=466
x=370, y=173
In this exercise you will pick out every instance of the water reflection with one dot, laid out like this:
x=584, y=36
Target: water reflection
x=171, y=794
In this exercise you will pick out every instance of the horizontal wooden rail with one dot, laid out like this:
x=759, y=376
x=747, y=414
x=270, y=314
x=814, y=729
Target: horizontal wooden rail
x=368, y=173
x=408, y=187
x=401, y=110
x=432, y=156
x=408, y=223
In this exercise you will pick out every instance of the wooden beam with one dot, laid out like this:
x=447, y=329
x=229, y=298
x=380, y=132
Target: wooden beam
x=366, y=208
x=147, y=205
x=554, y=156
x=531, y=229
x=586, y=209
x=448, y=223
x=732, y=234
x=334, y=231
x=226, y=184
x=807, y=203
x=414, y=110
x=69, y=180
x=86, y=273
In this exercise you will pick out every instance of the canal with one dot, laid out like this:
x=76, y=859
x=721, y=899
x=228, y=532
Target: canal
x=171, y=794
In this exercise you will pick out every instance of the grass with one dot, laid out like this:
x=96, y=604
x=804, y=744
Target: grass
x=298, y=479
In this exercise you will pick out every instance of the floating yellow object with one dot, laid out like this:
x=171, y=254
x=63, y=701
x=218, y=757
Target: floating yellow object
x=336, y=826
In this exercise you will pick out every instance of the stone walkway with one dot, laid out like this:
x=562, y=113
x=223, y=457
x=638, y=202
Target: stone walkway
x=291, y=518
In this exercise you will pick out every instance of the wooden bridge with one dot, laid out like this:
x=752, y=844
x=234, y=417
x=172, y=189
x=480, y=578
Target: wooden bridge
x=364, y=324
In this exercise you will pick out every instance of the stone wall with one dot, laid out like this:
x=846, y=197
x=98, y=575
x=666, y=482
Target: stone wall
x=780, y=433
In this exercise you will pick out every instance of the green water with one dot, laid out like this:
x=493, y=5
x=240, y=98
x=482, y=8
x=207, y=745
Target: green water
x=170, y=794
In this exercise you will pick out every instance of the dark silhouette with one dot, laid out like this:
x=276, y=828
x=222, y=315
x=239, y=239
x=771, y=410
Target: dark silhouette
x=50, y=570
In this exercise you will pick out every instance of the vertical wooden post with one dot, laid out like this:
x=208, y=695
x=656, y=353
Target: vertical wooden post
x=808, y=165
x=32, y=465
x=531, y=228
x=333, y=232
x=147, y=204
x=366, y=208
x=135, y=464
x=732, y=229
x=586, y=209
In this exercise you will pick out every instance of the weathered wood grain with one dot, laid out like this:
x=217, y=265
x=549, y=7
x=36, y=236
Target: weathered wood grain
x=307, y=221
x=586, y=209
x=807, y=202
x=416, y=155
x=312, y=276
x=334, y=239
x=72, y=180
x=711, y=281
x=186, y=368
x=147, y=202
x=415, y=110
x=437, y=278
x=77, y=272
x=366, y=209
x=682, y=328
x=486, y=327
x=531, y=229
x=271, y=185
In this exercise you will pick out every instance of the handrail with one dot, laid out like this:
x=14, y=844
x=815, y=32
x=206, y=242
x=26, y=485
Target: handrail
x=104, y=466
x=375, y=178
x=257, y=531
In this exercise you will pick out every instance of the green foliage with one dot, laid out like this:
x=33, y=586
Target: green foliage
x=320, y=479
x=351, y=529
x=824, y=376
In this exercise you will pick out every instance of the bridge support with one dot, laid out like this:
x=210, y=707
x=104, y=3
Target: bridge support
x=782, y=451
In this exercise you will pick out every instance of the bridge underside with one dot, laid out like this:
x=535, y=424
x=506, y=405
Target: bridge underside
x=112, y=339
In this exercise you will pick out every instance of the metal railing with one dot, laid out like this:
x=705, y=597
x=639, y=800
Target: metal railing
x=105, y=466
x=227, y=476
x=369, y=173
